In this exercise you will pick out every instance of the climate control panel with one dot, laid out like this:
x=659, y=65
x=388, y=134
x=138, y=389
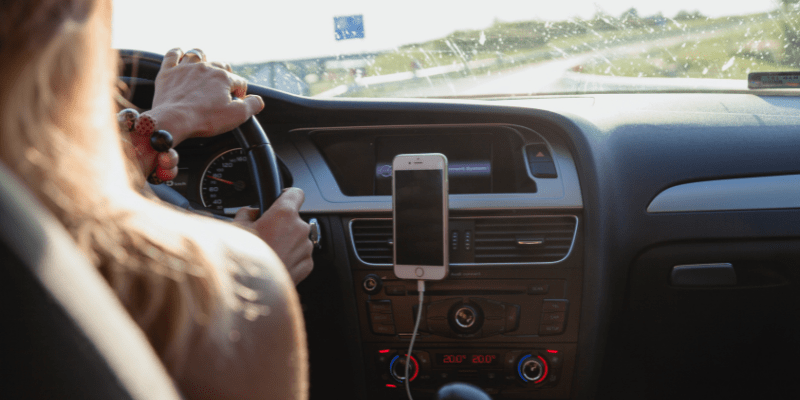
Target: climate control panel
x=510, y=371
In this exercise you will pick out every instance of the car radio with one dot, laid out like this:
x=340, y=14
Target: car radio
x=512, y=338
x=507, y=326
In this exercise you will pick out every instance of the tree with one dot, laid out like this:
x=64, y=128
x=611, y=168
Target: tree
x=684, y=15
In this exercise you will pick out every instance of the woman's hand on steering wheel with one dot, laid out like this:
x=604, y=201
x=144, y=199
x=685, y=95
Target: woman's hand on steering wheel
x=193, y=97
x=284, y=231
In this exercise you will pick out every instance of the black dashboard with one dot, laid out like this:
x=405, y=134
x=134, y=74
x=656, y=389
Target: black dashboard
x=566, y=238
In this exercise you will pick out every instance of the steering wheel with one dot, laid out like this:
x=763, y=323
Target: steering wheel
x=262, y=161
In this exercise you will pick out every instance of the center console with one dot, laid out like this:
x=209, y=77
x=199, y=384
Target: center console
x=507, y=316
x=504, y=319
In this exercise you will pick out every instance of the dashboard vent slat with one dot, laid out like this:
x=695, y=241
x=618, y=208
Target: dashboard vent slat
x=372, y=240
x=497, y=240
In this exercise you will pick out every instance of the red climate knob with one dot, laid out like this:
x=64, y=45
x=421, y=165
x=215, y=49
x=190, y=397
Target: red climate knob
x=398, y=368
x=532, y=369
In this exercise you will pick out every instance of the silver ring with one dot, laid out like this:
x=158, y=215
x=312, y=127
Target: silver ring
x=196, y=52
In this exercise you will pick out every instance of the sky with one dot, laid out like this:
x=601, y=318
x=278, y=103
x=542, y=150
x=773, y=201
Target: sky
x=240, y=31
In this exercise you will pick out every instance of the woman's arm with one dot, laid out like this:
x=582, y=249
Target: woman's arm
x=253, y=346
x=193, y=99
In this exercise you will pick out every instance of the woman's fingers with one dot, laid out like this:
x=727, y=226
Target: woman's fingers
x=239, y=110
x=222, y=65
x=246, y=214
x=238, y=86
x=172, y=58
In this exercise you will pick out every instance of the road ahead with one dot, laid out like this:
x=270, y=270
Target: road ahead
x=556, y=76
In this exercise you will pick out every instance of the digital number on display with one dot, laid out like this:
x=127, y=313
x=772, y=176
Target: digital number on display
x=467, y=359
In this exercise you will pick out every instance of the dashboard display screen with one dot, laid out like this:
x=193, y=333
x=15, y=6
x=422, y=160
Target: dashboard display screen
x=419, y=218
x=469, y=157
x=466, y=359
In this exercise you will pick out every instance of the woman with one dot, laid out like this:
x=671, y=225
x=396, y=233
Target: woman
x=215, y=302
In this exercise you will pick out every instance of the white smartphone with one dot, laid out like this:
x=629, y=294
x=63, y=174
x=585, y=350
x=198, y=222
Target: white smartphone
x=420, y=211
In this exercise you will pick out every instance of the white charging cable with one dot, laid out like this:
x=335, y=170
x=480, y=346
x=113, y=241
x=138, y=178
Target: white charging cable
x=421, y=290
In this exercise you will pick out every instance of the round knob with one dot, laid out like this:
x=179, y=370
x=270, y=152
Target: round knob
x=372, y=284
x=532, y=368
x=398, y=368
x=465, y=317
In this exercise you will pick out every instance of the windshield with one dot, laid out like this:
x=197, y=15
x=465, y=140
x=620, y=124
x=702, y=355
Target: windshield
x=499, y=48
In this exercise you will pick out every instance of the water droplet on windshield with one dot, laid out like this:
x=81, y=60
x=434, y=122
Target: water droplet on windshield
x=729, y=63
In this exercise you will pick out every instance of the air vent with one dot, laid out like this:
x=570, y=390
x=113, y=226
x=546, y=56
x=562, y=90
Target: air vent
x=372, y=239
x=498, y=240
x=523, y=239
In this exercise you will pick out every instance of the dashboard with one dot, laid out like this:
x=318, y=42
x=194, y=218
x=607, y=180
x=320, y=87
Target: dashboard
x=602, y=246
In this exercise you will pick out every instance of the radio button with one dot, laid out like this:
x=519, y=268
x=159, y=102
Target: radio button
x=551, y=329
x=553, y=318
x=380, y=306
x=378, y=318
x=511, y=360
x=554, y=360
x=383, y=358
x=539, y=289
x=556, y=305
x=422, y=357
x=512, y=317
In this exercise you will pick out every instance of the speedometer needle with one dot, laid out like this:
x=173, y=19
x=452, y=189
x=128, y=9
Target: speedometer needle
x=219, y=179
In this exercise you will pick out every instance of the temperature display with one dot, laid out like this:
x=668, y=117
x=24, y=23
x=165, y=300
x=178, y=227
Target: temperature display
x=467, y=359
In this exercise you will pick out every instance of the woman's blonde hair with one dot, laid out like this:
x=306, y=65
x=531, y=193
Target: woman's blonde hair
x=57, y=133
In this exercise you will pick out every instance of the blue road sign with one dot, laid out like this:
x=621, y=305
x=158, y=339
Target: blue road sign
x=349, y=27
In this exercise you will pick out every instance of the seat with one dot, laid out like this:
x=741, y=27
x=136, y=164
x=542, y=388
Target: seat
x=65, y=333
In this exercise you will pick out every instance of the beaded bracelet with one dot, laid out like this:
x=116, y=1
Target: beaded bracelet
x=133, y=123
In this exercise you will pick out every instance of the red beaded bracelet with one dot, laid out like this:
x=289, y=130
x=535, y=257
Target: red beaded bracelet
x=132, y=122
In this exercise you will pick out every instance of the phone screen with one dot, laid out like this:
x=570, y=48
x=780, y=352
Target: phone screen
x=419, y=223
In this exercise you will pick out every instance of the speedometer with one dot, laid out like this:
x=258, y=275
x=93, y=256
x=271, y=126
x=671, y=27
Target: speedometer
x=226, y=185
